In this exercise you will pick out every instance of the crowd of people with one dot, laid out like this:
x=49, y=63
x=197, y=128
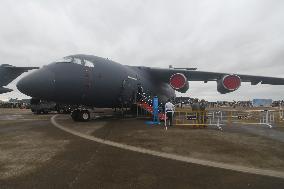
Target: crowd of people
x=199, y=107
x=233, y=104
x=15, y=103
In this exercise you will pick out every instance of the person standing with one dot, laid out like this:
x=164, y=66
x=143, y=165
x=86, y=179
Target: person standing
x=196, y=110
x=203, y=112
x=169, y=108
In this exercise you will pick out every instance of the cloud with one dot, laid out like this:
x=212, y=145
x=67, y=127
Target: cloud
x=222, y=36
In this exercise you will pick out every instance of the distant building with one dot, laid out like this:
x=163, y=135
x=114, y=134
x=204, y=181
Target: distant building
x=262, y=102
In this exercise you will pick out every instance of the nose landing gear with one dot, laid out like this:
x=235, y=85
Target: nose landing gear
x=81, y=115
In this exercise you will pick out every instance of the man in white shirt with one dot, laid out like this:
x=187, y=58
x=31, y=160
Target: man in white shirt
x=169, y=108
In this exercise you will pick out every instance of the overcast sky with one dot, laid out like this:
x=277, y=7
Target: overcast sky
x=235, y=36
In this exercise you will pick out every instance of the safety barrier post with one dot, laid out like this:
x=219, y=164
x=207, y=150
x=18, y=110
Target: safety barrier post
x=266, y=117
x=267, y=120
x=218, y=124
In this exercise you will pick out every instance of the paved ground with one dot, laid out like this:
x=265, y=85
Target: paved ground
x=35, y=154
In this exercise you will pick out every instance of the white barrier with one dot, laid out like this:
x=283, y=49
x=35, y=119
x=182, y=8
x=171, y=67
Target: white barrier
x=269, y=118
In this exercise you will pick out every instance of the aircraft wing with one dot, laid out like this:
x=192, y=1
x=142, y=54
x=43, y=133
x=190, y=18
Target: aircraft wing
x=193, y=75
x=8, y=73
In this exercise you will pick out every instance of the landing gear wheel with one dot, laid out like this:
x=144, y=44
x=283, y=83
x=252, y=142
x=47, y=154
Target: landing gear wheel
x=85, y=115
x=81, y=115
x=75, y=115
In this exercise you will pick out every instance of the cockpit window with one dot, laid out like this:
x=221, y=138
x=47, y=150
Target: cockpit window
x=76, y=60
x=70, y=59
x=65, y=60
x=87, y=63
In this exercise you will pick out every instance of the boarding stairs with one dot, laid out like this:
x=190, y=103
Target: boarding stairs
x=145, y=103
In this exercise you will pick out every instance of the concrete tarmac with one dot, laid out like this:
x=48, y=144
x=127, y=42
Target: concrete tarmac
x=35, y=154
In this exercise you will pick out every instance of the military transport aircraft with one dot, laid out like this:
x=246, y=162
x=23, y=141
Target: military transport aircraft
x=99, y=82
x=8, y=73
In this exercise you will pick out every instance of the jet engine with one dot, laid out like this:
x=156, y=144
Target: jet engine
x=228, y=83
x=179, y=82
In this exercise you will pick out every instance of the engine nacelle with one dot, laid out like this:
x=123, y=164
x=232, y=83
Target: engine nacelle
x=228, y=83
x=179, y=82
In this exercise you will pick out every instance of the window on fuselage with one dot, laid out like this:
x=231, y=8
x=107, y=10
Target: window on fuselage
x=70, y=59
x=64, y=60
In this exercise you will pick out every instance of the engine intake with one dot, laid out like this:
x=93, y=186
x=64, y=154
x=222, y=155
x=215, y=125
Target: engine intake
x=228, y=83
x=179, y=82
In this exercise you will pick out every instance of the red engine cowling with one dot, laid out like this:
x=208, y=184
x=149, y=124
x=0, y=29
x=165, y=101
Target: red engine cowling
x=228, y=83
x=179, y=82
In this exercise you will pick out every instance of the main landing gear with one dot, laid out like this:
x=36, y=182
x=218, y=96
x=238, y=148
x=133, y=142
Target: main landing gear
x=81, y=115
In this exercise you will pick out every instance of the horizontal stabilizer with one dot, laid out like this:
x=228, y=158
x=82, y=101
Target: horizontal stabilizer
x=5, y=90
x=8, y=73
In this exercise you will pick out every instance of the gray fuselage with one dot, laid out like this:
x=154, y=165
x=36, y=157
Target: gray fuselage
x=104, y=83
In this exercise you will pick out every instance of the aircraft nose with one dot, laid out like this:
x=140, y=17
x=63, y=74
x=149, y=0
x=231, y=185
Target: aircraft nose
x=39, y=83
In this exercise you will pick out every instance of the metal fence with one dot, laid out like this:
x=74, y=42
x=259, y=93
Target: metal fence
x=269, y=118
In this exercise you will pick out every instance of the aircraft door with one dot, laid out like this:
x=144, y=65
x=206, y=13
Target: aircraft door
x=128, y=91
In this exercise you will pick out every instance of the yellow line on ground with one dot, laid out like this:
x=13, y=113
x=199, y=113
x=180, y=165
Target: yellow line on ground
x=238, y=168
